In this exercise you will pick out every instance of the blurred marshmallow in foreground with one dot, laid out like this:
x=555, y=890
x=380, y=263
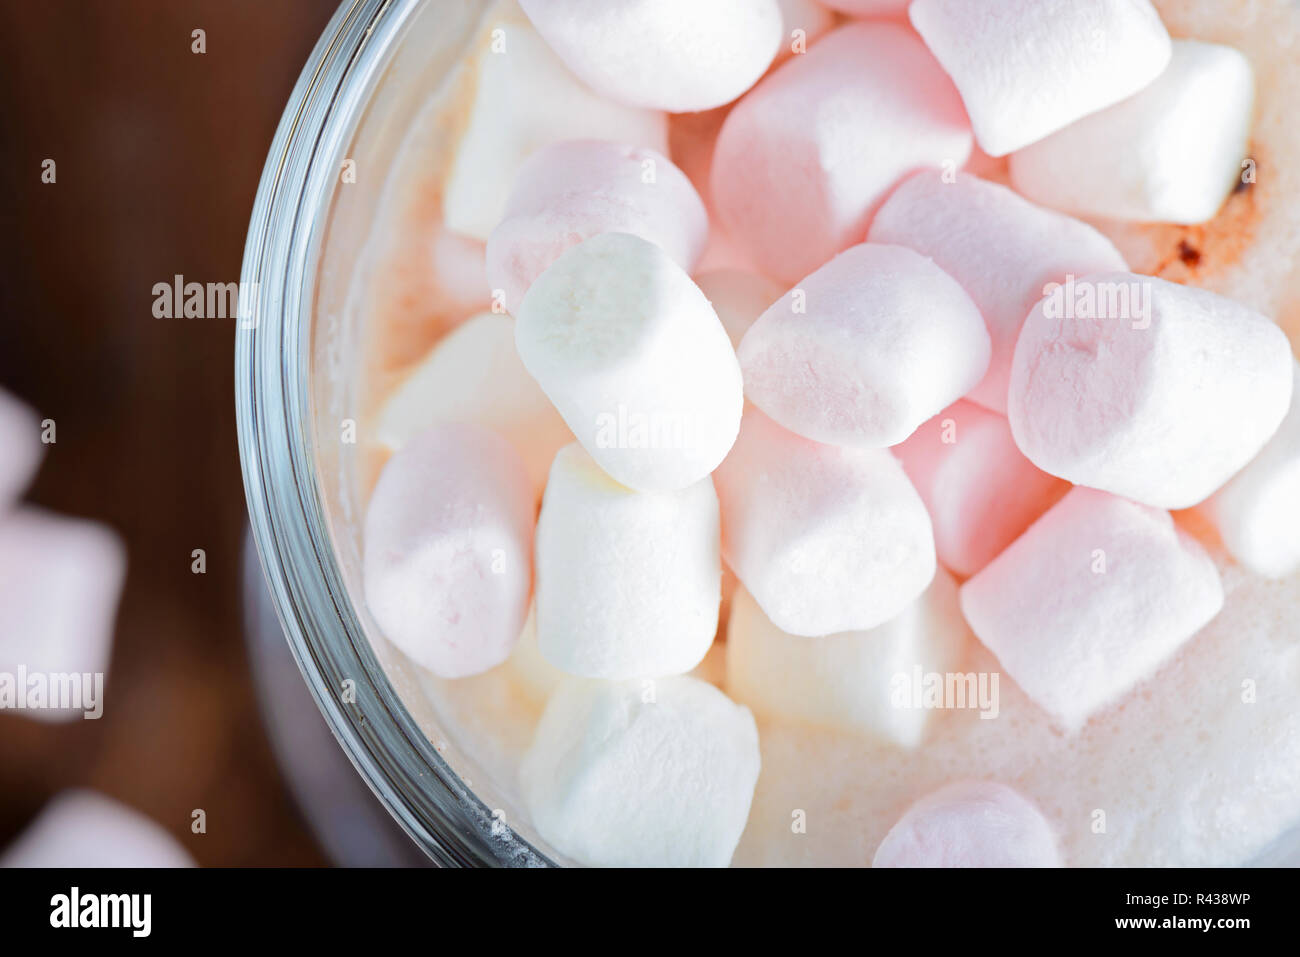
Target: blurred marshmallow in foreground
x=980, y=491
x=674, y=55
x=970, y=824
x=571, y=191
x=849, y=681
x=1171, y=153
x=642, y=773
x=20, y=447
x=1090, y=601
x=1146, y=388
x=474, y=376
x=1027, y=68
x=448, y=560
x=84, y=829
x=60, y=581
x=804, y=159
x=1257, y=513
x=634, y=358
x=1002, y=249
x=865, y=349
x=628, y=583
x=826, y=539
x=518, y=98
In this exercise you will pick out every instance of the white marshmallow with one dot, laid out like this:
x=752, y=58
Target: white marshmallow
x=675, y=55
x=628, y=583
x=448, y=549
x=522, y=98
x=633, y=356
x=1027, y=68
x=642, y=774
x=1161, y=398
x=1171, y=153
x=84, y=829
x=952, y=220
x=20, y=448
x=570, y=191
x=970, y=824
x=865, y=349
x=1257, y=513
x=1090, y=601
x=850, y=681
x=738, y=297
x=981, y=493
x=60, y=582
x=826, y=539
x=474, y=376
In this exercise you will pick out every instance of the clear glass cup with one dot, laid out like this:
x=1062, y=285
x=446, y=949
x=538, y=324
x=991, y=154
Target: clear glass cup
x=297, y=384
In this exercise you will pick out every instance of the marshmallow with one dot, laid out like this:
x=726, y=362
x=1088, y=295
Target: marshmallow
x=60, y=581
x=20, y=448
x=1027, y=68
x=1000, y=248
x=675, y=55
x=627, y=582
x=981, y=493
x=868, y=8
x=448, y=549
x=1172, y=153
x=570, y=191
x=630, y=352
x=738, y=297
x=970, y=824
x=1160, y=398
x=1258, y=512
x=642, y=774
x=519, y=98
x=848, y=681
x=84, y=829
x=474, y=376
x=826, y=539
x=803, y=160
x=865, y=349
x=1090, y=601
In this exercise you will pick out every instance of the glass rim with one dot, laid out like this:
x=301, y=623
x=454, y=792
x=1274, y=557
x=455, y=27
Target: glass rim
x=276, y=434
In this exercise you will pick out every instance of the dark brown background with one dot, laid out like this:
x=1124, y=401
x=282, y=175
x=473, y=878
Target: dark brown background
x=159, y=151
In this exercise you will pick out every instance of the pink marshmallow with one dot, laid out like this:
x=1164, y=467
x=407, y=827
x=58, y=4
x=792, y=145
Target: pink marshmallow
x=826, y=539
x=970, y=824
x=1091, y=601
x=674, y=55
x=20, y=448
x=804, y=159
x=980, y=491
x=576, y=189
x=84, y=829
x=448, y=549
x=868, y=8
x=865, y=349
x=1001, y=248
x=60, y=581
x=1152, y=390
x=1027, y=68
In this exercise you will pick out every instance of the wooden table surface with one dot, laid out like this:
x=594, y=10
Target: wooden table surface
x=158, y=152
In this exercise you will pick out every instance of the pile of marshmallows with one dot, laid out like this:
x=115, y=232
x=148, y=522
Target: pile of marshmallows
x=981, y=384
